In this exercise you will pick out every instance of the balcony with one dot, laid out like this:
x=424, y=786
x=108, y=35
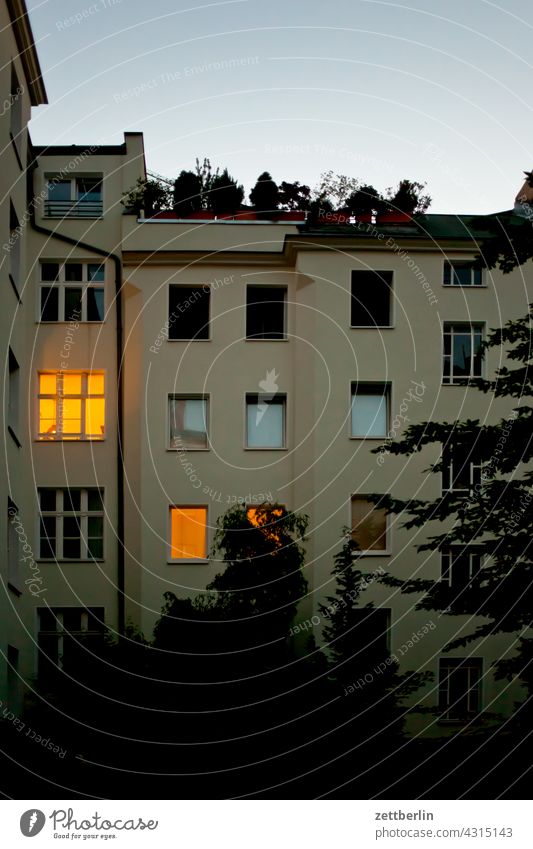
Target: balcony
x=73, y=208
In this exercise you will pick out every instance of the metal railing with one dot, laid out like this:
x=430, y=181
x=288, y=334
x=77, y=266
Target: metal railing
x=73, y=208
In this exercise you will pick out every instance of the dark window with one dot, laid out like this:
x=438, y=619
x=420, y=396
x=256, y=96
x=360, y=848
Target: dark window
x=462, y=273
x=371, y=298
x=188, y=312
x=67, y=639
x=72, y=303
x=265, y=312
x=460, y=567
x=459, y=687
x=71, y=524
x=461, y=469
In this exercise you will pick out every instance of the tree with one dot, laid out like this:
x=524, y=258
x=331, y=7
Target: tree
x=187, y=194
x=365, y=199
x=408, y=197
x=496, y=515
x=336, y=188
x=294, y=196
x=205, y=175
x=225, y=195
x=150, y=196
x=265, y=195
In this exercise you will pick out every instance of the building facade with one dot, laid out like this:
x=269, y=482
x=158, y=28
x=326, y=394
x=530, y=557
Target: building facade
x=158, y=371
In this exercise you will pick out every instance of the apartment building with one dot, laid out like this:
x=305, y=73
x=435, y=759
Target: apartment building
x=160, y=370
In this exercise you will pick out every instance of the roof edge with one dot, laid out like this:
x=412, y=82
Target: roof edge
x=22, y=30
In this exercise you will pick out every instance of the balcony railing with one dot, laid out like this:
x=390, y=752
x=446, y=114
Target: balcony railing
x=73, y=208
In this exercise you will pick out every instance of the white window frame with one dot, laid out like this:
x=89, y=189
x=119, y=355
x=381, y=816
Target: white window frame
x=474, y=473
x=13, y=549
x=188, y=396
x=187, y=560
x=267, y=399
x=70, y=437
x=60, y=631
x=452, y=552
x=458, y=328
x=84, y=514
x=76, y=208
x=61, y=284
x=285, y=333
x=472, y=665
x=462, y=261
x=367, y=552
x=358, y=387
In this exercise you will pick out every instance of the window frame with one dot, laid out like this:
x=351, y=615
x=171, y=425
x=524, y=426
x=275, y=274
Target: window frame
x=13, y=399
x=448, y=330
x=451, y=551
x=285, y=405
x=472, y=664
x=462, y=261
x=285, y=333
x=189, y=396
x=16, y=123
x=392, y=315
x=58, y=611
x=367, y=552
x=191, y=561
x=61, y=284
x=84, y=514
x=475, y=469
x=15, y=250
x=71, y=438
x=74, y=207
x=14, y=578
x=371, y=384
x=209, y=293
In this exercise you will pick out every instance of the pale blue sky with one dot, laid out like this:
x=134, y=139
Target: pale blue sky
x=380, y=90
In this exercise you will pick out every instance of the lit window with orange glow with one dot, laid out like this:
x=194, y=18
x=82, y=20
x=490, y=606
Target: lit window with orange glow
x=188, y=533
x=266, y=519
x=71, y=406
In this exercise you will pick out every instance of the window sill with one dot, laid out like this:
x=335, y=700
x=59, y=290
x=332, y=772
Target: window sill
x=449, y=286
x=14, y=589
x=258, y=448
x=372, y=326
x=366, y=553
x=369, y=438
x=14, y=436
x=73, y=217
x=466, y=381
x=63, y=560
x=44, y=440
x=78, y=321
x=184, y=448
x=188, y=340
x=196, y=561
x=266, y=340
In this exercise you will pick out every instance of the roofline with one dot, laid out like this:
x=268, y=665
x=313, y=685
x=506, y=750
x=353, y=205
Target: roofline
x=68, y=149
x=22, y=30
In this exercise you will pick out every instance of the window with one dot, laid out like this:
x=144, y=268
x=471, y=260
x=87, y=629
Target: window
x=67, y=638
x=459, y=567
x=72, y=291
x=371, y=630
x=188, y=421
x=188, y=533
x=74, y=197
x=188, y=312
x=13, y=553
x=71, y=524
x=369, y=525
x=370, y=410
x=14, y=684
x=371, y=299
x=461, y=469
x=265, y=421
x=462, y=356
x=71, y=405
x=460, y=688
x=15, y=110
x=14, y=247
x=265, y=312
x=266, y=517
x=461, y=272
x=13, y=400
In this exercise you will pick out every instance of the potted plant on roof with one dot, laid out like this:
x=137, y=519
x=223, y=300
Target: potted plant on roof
x=402, y=204
x=364, y=203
